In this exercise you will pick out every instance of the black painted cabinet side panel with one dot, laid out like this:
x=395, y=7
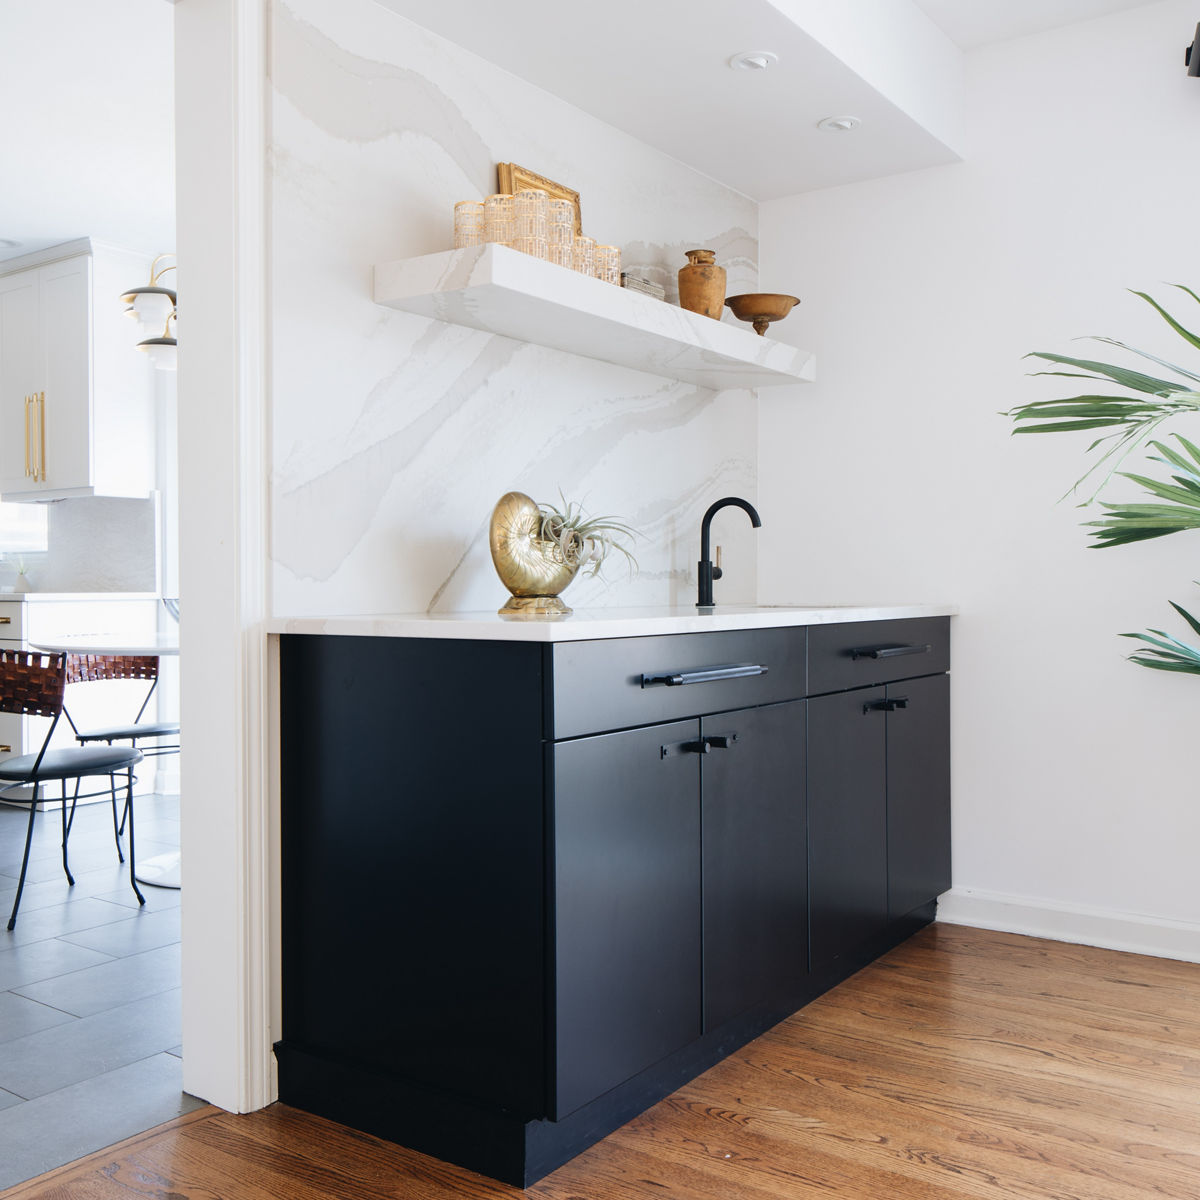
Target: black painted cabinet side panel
x=918, y=755
x=847, y=823
x=755, y=863
x=413, y=865
x=626, y=905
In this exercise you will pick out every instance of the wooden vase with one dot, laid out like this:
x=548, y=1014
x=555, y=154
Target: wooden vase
x=702, y=284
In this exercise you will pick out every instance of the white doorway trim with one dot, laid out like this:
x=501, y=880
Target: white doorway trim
x=220, y=72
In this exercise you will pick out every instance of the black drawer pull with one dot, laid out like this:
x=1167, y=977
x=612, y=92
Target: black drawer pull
x=889, y=705
x=716, y=741
x=888, y=651
x=676, y=748
x=704, y=675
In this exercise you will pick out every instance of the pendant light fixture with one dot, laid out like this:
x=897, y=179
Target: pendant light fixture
x=153, y=304
x=163, y=350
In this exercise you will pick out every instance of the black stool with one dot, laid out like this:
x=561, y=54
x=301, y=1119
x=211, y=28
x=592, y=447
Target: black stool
x=32, y=684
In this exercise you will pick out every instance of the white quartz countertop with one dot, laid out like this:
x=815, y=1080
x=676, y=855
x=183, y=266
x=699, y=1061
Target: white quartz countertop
x=590, y=624
x=13, y=597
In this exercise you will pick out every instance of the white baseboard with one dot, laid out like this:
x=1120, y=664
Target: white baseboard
x=1071, y=923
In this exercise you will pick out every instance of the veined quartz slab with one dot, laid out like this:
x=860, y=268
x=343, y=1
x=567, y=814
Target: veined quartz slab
x=589, y=625
x=503, y=291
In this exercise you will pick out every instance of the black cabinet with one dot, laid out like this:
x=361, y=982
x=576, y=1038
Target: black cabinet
x=413, y=901
x=626, y=911
x=680, y=889
x=755, y=862
x=879, y=780
x=529, y=889
x=847, y=823
x=918, y=792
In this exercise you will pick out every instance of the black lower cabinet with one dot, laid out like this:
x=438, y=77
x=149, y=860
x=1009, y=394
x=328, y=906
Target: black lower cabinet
x=755, y=862
x=847, y=822
x=626, y=908
x=529, y=889
x=680, y=889
x=918, y=792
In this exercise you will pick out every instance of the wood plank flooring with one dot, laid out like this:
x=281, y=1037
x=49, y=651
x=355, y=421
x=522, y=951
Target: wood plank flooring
x=965, y=1064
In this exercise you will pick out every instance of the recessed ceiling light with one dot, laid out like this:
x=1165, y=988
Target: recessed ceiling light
x=753, y=60
x=840, y=124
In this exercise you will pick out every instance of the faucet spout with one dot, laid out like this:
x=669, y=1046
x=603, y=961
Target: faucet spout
x=707, y=572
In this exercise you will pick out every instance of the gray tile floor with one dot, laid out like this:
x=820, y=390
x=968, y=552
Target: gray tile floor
x=89, y=991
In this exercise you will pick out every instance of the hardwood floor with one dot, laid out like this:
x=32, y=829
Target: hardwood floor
x=966, y=1063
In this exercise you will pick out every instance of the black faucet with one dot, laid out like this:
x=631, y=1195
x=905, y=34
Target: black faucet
x=704, y=593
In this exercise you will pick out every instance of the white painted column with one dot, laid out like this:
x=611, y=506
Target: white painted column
x=220, y=161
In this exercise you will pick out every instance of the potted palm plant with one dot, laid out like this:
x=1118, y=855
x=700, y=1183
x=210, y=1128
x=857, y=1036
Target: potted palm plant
x=1126, y=422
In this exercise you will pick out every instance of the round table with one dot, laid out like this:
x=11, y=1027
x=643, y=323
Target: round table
x=163, y=870
x=151, y=645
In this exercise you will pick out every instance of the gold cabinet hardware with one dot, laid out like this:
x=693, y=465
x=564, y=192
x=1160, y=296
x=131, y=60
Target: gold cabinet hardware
x=5, y=749
x=28, y=402
x=5, y=620
x=42, y=435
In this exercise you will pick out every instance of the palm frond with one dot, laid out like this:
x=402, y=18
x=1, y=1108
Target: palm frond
x=1178, y=511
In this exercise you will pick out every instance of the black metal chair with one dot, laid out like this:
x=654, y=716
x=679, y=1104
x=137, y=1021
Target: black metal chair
x=32, y=683
x=84, y=668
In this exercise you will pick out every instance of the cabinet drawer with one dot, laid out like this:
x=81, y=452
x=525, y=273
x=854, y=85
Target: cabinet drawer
x=12, y=626
x=869, y=652
x=619, y=683
x=10, y=735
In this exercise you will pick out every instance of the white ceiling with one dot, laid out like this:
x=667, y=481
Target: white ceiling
x=87, y=123
x=657, y=69
x=973, y=23
x=86, y=95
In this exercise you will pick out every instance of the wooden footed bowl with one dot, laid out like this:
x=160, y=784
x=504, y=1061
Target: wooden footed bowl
x=761, y=308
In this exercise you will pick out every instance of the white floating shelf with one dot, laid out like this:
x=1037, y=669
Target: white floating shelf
x=502, y=291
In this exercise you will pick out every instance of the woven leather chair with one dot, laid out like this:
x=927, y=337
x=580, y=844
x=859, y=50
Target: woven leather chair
x=84, y=668
x=32, y=683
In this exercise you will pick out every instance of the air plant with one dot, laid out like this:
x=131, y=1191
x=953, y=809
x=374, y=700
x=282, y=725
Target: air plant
x=583, y=539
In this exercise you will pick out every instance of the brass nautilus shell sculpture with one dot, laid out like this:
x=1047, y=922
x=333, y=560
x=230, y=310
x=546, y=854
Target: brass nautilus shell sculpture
x=534, y=568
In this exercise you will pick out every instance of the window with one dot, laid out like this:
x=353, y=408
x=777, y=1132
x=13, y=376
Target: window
x=23, y=528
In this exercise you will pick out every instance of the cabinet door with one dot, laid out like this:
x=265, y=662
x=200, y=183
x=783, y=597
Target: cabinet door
x=755, y=861
x=19, y=374
x=65, y=451
x=918, y=763
x=847, y=822
x=626, y=893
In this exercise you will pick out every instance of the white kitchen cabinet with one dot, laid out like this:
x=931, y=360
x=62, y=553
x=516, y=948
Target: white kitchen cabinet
x=76, y=396
x=13, y=726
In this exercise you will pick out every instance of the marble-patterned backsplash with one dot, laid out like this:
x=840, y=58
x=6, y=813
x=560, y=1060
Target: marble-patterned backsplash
x=393, y=434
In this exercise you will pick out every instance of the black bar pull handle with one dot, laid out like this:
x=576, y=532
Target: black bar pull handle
x=704, y=675
x=888, y=651
x=721, y=741
x=697, y=746
x=889, y=705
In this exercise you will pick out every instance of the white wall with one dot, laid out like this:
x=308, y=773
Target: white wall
x=395, y=435
x=895, y=478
